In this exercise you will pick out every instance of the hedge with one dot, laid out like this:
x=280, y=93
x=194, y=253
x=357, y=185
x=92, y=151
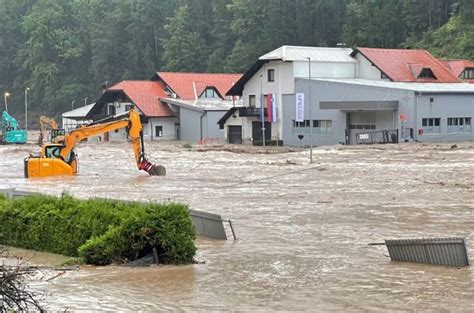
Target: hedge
x=100, y=231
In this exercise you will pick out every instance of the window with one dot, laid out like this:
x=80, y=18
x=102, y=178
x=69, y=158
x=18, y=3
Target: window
x=426, y=73
x=271, y=75
x=459, y=125
x=128, y=107
x=210, y=93
x=111, y=109
x=252, y=101
x=468, y=73
x=362, y=126
x=265, y=101
x=320, y=127
x=431, y=125
x=158, y=131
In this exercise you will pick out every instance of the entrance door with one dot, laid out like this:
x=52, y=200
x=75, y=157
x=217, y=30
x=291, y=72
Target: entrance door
x=257, y=131
x=360, y=122
x=235, y=134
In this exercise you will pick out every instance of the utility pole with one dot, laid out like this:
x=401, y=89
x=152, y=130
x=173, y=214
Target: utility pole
x=310, y=114
x=26, y=108
x=72, y=105
x=85, y=101
x=262, y=113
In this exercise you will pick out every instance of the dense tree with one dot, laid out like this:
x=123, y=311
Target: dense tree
x=65, y=50
x=184, y=49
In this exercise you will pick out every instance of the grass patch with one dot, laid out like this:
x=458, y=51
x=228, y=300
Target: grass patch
x=98, y=231
x=187, y=146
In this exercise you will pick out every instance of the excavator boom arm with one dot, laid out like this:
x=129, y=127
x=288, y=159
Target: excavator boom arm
x=129, y=120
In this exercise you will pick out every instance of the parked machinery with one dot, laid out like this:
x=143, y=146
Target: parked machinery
x=11, y=132
x=57, y=134
x=60, y=159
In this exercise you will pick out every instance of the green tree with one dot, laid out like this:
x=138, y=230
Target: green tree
x=184, y=48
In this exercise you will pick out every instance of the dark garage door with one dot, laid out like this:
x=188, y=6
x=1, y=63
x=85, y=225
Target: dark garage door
x=235, y=134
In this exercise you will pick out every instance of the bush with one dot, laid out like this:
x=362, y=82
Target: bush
x=100, y=231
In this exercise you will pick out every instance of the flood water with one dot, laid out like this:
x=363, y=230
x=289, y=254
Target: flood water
x=302, y=229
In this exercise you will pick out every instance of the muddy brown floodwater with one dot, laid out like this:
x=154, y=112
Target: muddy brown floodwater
x=303, y=229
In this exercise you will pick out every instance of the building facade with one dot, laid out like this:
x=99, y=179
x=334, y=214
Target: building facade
x=352, y=96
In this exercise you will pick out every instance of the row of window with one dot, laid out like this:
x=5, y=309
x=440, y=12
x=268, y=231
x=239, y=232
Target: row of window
x=455, y=125
x=319, y=127
x=362, y=126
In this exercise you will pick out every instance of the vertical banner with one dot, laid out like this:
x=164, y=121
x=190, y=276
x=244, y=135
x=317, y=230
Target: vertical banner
x=299, y=107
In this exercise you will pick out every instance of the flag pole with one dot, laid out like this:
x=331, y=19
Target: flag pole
x=310, y=113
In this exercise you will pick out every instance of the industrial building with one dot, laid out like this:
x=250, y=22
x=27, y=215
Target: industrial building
x=355, y=96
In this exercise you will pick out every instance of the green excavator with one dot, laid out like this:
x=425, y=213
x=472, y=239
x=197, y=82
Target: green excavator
x=10, y=131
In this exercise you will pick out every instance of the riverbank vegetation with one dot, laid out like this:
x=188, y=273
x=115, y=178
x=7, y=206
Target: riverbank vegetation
x=99, y=231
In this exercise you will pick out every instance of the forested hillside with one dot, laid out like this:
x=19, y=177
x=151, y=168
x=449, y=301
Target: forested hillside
x=64, y=50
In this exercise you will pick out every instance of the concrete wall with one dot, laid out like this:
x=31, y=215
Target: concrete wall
x=444, y=106
x=190, y=124
x=210, y=126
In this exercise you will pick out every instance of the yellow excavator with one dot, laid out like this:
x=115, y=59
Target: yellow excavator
x=60, y=159
x=57, y=134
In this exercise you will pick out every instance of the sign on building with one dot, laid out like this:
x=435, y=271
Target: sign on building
x=299, y=107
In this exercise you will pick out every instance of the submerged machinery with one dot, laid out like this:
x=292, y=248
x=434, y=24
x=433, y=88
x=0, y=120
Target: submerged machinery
x=60, y=159
x=10, y=131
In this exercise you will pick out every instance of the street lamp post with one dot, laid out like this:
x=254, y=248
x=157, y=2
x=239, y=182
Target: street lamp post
x=6, y=101
x=310, y=114
x=26, y=108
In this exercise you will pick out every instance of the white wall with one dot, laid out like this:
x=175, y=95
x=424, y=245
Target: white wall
x=246, y=124
x=284, y=84
x=366, y=69
x=325, y=69
x=169, y=128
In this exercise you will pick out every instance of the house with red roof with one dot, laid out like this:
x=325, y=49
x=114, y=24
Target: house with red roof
x=402, y=65
x=322, y=96
x=463, y=69
x=158, y=101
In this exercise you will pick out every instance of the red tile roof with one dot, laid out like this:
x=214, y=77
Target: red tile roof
x=401, y=65
x=144, y=94
x=458, y=66
x=183, y=83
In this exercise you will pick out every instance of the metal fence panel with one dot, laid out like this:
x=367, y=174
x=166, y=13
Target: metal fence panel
x=436, y=251
x=382, y=136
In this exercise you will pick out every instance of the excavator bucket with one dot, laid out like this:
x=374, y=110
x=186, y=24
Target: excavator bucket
x=152, y=169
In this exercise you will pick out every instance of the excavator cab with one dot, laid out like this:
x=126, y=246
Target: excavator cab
x=51, y=163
